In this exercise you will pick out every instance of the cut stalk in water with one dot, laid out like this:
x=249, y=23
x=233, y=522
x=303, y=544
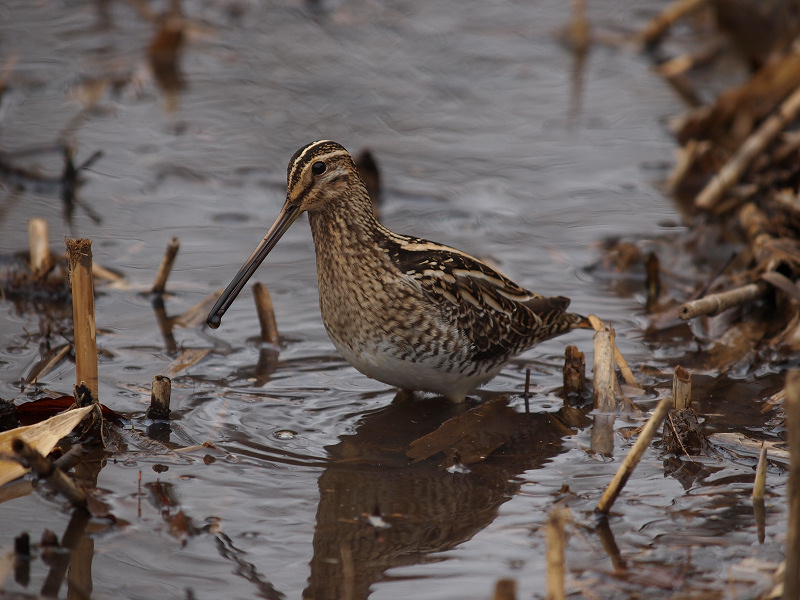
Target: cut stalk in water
x=266, y=313
x=681, y=388
x=80, y=274
x=791, y=574
x=166, y=266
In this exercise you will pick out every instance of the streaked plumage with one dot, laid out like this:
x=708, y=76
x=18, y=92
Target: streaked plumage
x=405, y=311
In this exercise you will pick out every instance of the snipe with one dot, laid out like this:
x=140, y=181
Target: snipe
x=406, y=311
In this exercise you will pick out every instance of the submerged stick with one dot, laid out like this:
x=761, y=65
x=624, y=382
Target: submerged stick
x=45, y=469
x=634, y=456
x=80, y=275
x=754, y=146
x=554, y=534
x=159, y=398
x=266, y=313
x=791, y=574
x=714, y=304
x=166, y=266
x=39, y=245
x=681, y=388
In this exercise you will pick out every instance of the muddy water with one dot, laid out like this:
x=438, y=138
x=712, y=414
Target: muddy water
x=487, y=140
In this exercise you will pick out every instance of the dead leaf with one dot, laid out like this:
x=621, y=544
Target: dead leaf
x=42, y=436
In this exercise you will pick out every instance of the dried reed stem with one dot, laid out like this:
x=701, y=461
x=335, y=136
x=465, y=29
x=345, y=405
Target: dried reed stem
x=624, y=369
x=574, y=371
x=714, y=304
x=657, y=26
x=166, y=266
x=634, y=455
x=604, y=377
x=39, y=245
x=45, y=469
x=266, y=314
x=80, y=275
x=754, y=146
x=505, y=589
x=681, y=388
x=791, y=575
x=760, y=483
x=554, y=533
x=159, y=398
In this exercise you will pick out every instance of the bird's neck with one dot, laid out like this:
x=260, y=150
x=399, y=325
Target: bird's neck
x=346, y=224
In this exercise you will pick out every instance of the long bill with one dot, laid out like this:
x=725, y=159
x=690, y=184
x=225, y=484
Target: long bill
x=287, y=216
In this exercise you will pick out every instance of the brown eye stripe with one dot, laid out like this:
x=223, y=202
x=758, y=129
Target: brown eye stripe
x=313, y=152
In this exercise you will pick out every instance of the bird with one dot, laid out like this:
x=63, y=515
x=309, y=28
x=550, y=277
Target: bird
x=406, y=311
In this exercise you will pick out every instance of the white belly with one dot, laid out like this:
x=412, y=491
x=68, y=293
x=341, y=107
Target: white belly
x=379, y=363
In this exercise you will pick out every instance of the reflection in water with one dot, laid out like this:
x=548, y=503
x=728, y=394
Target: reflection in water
x=379, y=509
x=164, y=52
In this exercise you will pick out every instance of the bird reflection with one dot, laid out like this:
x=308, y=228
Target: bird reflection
x=380, y=509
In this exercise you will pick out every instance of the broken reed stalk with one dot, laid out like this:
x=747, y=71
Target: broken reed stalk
x=656, y=28
x=624, y=369
x=714, y=304
x=760, y=483
x=159, y=399
x=166, y=266
x=653, y=270
x=39, y=245
x=574, y=371
x=266, y=313
x=634, y=456
x=681, y=388
x=791, y=573
x=754, y=146
x=80, y=275
x=505, y=589
x=554, y=534
x=45, y=469
x=604, y=377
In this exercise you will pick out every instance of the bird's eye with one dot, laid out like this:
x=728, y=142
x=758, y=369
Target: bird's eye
x=318, y=168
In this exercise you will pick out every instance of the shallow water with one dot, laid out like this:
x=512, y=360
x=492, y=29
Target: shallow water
x=484, y=143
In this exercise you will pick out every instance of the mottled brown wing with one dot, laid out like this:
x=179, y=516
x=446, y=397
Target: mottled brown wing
x=525, y=318
x=497, y=315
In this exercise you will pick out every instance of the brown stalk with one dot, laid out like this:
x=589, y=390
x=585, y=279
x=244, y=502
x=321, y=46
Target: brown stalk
x=39, y=246
x=634, y=456
x=556, y=522
x=791, y=574
x=658, y=26
x=45, y=469
x=714, y=304
x=166, y=266
x=760, y=483
x=505, y=589
x=574, y=372
x=681, y=388
x=80, y=275
x=159, y=398
x=754, y=146
x=604, y=376
x=266, y=313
